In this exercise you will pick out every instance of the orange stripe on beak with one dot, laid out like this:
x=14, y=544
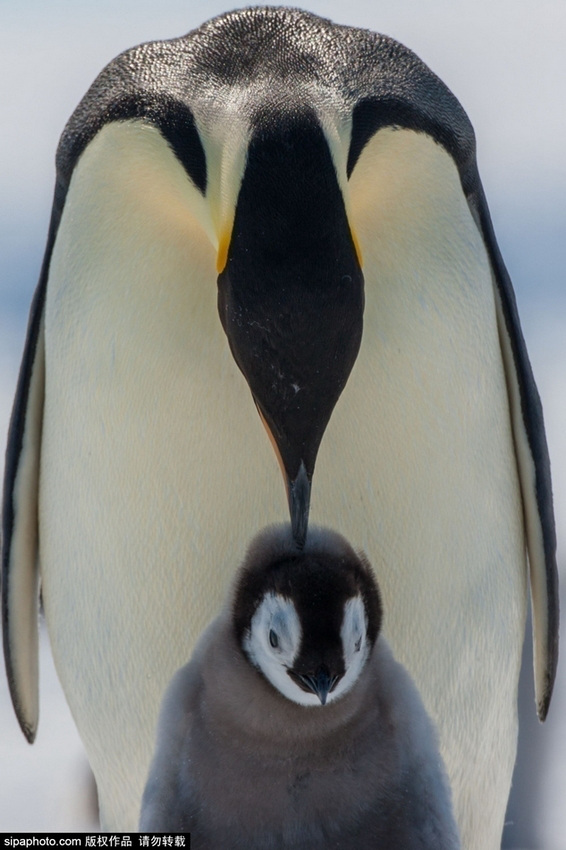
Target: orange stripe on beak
x=275, y=449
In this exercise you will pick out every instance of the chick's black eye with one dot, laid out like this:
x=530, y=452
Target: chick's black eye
x=273, y=639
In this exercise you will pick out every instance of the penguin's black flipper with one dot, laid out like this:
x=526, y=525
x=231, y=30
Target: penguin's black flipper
x=533, y=465
x=20, y=568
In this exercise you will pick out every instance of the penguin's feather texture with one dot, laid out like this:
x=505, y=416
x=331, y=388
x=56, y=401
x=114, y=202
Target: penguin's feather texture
x=238, y=765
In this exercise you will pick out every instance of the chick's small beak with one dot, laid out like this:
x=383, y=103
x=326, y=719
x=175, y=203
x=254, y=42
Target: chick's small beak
x=320, y=683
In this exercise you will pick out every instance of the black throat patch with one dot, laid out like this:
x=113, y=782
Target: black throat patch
x=291, y=296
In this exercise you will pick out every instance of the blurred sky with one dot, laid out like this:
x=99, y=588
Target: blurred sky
x=506, y=62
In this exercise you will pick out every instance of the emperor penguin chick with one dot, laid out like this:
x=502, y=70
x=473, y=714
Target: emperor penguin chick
x=293, y=727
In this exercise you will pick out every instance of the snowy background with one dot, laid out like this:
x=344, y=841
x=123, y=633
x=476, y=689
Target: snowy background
x=506, y=62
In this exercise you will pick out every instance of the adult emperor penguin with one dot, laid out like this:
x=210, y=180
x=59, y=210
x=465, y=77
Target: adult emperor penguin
x=230, y=207
x=293, y=727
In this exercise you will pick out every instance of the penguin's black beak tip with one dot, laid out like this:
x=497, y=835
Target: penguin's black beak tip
x=299, y=491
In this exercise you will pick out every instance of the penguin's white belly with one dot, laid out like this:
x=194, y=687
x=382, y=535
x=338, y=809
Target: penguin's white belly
x=156, y=471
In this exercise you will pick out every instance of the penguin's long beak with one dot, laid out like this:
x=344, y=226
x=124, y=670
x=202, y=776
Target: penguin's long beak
x=298, y=488
x=299, y=495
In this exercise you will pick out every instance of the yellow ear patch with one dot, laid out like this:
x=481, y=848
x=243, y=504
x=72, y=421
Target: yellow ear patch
x=357, y=247
x=223, y=246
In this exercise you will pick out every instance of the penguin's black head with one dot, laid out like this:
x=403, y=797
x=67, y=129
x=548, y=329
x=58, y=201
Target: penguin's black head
x=291, y=294
x=308, y=619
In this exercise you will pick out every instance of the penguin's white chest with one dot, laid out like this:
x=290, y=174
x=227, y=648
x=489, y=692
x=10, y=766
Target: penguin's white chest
x=418, y=465
x=155, y=467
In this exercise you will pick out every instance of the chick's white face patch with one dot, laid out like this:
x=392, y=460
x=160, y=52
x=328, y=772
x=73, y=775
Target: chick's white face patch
x=272, y=645
x=355, y=645
x=273, y=642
